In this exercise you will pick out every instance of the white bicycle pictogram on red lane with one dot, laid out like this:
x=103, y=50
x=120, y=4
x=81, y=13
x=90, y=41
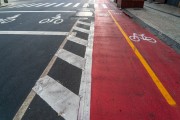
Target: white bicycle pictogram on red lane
x=138, y=37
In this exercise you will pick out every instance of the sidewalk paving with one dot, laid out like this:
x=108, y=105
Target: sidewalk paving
x=163, y=20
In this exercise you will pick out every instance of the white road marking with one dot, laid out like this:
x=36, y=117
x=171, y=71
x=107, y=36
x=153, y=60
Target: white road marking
x=85, y=5
x=42, y=4
x=84, y=23
x=33, y=33
x=50, y=5
x=71, y=58
x=96, y=5
x=67, y=5
x=20, y=113
x=81, y=30
x=61, y=99
x=33, y=11
x=76, y=5
x=104, y=5
x=85, y=86
x=77, y=40
x=58, y=5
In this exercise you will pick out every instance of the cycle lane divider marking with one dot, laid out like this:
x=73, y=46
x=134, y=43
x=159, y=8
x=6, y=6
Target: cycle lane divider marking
x=19, y=115
x=152, y=74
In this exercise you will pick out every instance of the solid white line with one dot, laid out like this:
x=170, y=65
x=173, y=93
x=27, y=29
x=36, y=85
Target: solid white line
x=50, y=5
x=67, y=5
x=77, y=40
x=33, y=11
x=81, y=30
x=33, y=33
x=61, y=99
x=58, y=5
x=76, y=5
x=84, y=23
x=85, y=86
x=85, y=5
x=71, y=58
x=104, y=5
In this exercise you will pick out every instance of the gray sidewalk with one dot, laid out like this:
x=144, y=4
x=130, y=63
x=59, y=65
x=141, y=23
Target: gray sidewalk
x=163, y=19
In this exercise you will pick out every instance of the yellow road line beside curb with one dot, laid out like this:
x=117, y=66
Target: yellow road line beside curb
x=155, y=79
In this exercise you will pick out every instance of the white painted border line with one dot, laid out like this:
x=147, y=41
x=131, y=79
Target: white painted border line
x=81, y=30
x=33, y=33
x=61, y=99
x=77, y=40
x=71, y=58
x=33, y=11
x=85, y=86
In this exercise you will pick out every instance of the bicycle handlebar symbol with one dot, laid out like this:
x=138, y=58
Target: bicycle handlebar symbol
x=56, y=20
x=9, y=19
x=138, y=37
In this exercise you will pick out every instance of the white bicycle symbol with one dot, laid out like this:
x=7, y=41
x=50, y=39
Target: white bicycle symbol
x=9, y=19
x=138, y=37
x=56, y=20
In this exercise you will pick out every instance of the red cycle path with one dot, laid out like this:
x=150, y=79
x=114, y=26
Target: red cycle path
x=121, y=87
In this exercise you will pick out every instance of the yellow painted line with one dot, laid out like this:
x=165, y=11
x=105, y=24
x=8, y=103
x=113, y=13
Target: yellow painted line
x=154, y=77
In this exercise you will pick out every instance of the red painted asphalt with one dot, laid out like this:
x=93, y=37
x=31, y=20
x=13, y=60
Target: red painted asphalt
x=121, y=87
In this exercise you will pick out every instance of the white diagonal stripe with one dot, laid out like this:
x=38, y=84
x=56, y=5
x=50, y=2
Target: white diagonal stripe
x=96, y=5
x=71, y=58
x=85, y=5
x=33, y=33
x=58, y=5
x=104, y=5
x=76, y=5
x=77, y=40
x=67, y=5
x=50, y=5
x=81, y=30
x=84, y=23
x=61, y=99
x=41, y=4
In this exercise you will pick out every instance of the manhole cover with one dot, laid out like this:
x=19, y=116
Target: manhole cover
x=84, y=13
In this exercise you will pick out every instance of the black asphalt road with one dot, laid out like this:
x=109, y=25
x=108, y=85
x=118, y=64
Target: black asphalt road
x=23, y=58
